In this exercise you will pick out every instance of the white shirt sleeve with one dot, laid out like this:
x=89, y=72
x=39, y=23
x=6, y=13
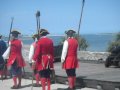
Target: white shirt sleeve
x=64, y=51
x=22, y=47
x=7, y=52
x=31, y=53
x=22, y=44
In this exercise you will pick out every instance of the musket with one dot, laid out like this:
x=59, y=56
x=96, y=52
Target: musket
x=38, y=22
x=32, y=80
x=4, y=66
x=38, y=28
x=78, y=36
x=10, y=29
x=83, y=2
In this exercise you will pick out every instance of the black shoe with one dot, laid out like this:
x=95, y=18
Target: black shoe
x=65, y=88
x=14, y=87
x=74, y=88
x=36, y=85
x=18, y=86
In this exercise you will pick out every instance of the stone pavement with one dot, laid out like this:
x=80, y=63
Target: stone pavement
x=89, y=74
x=26, y=85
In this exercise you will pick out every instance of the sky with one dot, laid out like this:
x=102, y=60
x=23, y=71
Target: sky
x=57, y=16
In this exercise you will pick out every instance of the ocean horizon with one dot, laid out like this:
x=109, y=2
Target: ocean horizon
x=96, y=42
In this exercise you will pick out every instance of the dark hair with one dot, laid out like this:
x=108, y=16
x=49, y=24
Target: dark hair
x=44, y=34
x=15, y=35
x=70, y=35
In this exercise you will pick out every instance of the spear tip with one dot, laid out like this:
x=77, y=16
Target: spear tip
x=38, y=14
x=83, y=1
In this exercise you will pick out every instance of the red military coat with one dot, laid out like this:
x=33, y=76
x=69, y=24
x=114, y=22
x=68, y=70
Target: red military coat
x=16, y=53
x=44, y=53
x=71, y=60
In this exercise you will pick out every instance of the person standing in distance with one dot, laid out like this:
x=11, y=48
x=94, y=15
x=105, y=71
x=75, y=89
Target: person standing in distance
x=3, y=48
x=31, y=53
x=15, y=59
x=44, y=53
x=69, y=58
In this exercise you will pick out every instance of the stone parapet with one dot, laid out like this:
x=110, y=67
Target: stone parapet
x=97, y=56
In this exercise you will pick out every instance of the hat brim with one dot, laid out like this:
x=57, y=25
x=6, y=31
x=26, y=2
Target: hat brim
x=44, y=32
x=70, y=32
x=35, y=36
x=15, y=32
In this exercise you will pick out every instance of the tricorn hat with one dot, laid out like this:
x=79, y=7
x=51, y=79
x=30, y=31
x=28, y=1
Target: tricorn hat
x=43, y=32
x=35, y=36
x=15, y=32
x=70, y=32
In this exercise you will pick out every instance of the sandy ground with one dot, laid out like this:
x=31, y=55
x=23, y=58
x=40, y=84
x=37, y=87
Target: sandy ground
x=26, y=85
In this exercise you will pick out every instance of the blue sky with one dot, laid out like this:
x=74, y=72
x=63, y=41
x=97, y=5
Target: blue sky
x=57, y=16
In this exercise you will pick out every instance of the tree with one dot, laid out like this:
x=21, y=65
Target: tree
x=118, y=37
x=83, y=44
x=115, y=43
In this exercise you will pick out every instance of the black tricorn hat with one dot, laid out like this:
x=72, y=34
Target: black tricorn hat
x=43, y=32
x=34, y=35
x=70, y=32
x=15, y=32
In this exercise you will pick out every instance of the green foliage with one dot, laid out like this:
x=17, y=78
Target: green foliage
x=83, y=44
x=118, y=37
x=115, y=43
x=62, y=41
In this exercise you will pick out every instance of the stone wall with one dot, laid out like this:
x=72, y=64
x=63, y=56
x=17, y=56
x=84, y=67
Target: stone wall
x=87, y=55
x=82, y=55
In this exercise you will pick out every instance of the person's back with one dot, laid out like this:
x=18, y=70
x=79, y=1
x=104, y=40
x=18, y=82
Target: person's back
x=45, y=52
x=15, y=59
x=16, y=53
x=44, y=55
x=69, y=58
x=16, y=46
x=47, y=45
x=3, y=48
x=73, y=44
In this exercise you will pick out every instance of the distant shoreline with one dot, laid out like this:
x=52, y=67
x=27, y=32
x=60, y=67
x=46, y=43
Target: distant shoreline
x=24, y=35
x=96, y=43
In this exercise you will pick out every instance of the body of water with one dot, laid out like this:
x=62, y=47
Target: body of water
x=98, y=43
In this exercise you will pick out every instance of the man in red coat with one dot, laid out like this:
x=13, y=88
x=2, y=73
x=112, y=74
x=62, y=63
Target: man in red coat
x=69, y=58
x=31, y=53
x=44, y=54
x=3, y=48
x=15, y=59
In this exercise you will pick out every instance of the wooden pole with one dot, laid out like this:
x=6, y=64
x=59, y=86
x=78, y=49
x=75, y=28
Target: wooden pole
x=38, y=21
x=81, y=18
x=10, y=29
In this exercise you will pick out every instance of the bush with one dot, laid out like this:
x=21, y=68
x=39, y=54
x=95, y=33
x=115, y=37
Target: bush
x=115, y=43
x=83, y=44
